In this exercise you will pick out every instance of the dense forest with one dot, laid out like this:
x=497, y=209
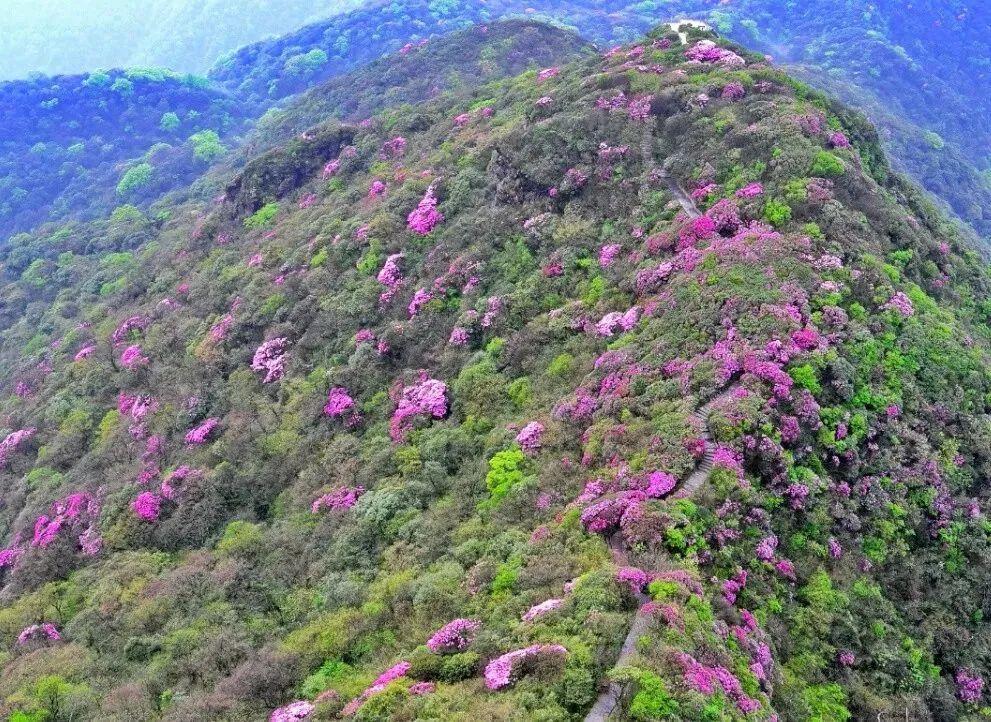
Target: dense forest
x=420, y=411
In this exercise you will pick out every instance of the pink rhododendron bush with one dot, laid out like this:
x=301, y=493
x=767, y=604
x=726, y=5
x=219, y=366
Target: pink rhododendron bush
x=636, y=377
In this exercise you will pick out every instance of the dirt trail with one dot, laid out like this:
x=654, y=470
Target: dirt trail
x=609, y=698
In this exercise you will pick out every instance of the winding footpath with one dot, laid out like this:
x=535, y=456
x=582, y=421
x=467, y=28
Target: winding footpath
x=609, y=698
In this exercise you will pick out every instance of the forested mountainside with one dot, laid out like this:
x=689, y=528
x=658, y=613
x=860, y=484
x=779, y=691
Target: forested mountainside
x=77, y=162
x=81, y=145
x=469, y=58
x=59, y=36
x=422, y=416
x=919, y=67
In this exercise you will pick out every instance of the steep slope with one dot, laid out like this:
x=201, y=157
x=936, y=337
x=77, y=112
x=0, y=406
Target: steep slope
x=457, y=62
x=79, y=147
x=409, y=421
x=919, y=67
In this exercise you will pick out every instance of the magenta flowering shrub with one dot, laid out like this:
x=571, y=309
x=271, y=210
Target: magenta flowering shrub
x=706, y=51
x=45, y=630
x=901, y=304
x=608, y=254
x=381, y=682
x=147, y=506
x=529, y=437
x=391, y=277
x=503, y=671
x=458, y=337
x=123, y=332
x=751, y=190
x=270, y=358
x=455, y=636
x=425, y=217
x=838, y=139
x=85, y=352
x=636, y=579
x=548, y=73
x=420, y=299
x=340, y=405
x=299, y=710
x=426, y=397
x=220, y=330
x=10, y=556
x=73, y=511
x=734, y=91
x=201, y=434
x=970, y=686
x=539, y=610
x=393, y=148
x=12, y=442
x=418, y=689
x=704, y=679
x=639, y=108
x=132, y=359
x=338, y=500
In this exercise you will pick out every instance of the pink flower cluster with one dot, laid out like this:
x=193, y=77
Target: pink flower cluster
x=539, y=610
x=425, y=217
x=292, y=712
x=394, y=148
x=35, y=631
x=608, y=253
x=10, y=555
x=970, y=686
x=123, y=331
x=459, y=336
x=381, y=682
x=201, y=433
x=706, y=51
x=147, y=506
x=85, y=352
x=636, y=579
x=338, y=500
x=219, y=330
x=455, y=636
x=504, y=670
x=12, y=441
x=427, y=396
x=751, y=190
x=901, y=304
x=734, y=91
x=703, y=679
x=270, y=358
x=340, y=404
x=622, y=320
x=639, y=108
x=420, y=299
x=132, y=358
x=391, y=277
x=73, y=510
x=529, y=437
